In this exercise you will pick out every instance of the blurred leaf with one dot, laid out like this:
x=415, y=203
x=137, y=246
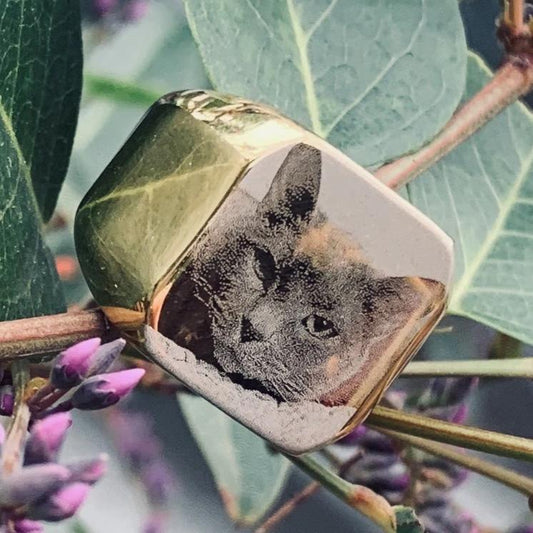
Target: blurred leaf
x=407, y=521
x=377, y=79
x=40, y=87
x=248, y=474
x=481, y=194
x=119, y=91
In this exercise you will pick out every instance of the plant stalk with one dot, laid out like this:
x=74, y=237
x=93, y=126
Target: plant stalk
x=449, y=433
x=364, y=500
x=13, y=447
x=498, y=473
x=483, y=368
x=49, y=334
x=510, y=82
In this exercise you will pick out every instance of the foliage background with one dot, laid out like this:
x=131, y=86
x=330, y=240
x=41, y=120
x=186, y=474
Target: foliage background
x=158, y=52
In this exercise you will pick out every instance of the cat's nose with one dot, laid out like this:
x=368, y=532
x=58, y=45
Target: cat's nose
x=248, y=332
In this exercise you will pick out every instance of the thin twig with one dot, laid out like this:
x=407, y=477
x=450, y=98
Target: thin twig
x=49, y=334
x=288, y=507
x=447, y=432
x=510, y=82
x=501, y=474
x=483, y=368
x=13, y=447
x=364, y=500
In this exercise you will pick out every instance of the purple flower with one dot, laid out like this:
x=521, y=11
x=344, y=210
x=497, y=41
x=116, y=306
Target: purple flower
x=27, y=526
x=89, y=471
x=155, y=524
x=354, y=436
x=83, y=360
x=71, y=365
x=104, y=390
x=134, y=436
x=7, y=400
x=31, y=483
x=61, y=504
x=158, y=481
x=113, y=11
x=46, y=437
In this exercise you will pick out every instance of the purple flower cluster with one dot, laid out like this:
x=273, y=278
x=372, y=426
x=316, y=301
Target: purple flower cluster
x=113, y=11
x=137, y=443
x=387, y=469
x=82, y=373
x=42, y=489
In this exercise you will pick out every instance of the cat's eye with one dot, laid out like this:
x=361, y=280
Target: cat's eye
x=265, y=267
x=320, y=327
x=241, y=196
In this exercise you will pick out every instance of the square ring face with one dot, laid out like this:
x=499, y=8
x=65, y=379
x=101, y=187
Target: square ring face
x=310, y=289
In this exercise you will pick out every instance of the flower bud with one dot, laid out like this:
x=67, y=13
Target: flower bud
x=104, y=357
x=61, y=504
x=84, y=360
x=155, y=524
x=104, y=390
x=158, y=482
x=46, y=437
x=71, y=366
x=7, y=400
x=31, y=483
x=354, y=437
x=27, y=526
x=89, y=471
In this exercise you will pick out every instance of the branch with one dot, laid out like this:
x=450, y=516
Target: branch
x=510, y=82
x=483, y=368
x=447, y=432
x=49, y=334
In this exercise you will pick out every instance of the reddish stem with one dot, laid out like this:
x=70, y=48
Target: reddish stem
x=512, y=80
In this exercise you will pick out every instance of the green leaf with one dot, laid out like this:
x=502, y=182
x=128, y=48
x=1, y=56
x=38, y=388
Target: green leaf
x=28, y=281
x=40, y=86
x=406, y=520
x=248, y=474
x=481, y=194
x=377, y=79
x=40, y=75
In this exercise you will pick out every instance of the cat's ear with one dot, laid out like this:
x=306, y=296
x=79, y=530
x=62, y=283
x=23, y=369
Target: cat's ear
x=292, y=197
x=388, y=302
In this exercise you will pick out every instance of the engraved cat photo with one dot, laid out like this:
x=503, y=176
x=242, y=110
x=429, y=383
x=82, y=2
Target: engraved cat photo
x=284, y=302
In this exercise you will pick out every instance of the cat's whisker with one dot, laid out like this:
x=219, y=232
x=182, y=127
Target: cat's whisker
x=498, y=473
x=484, y=368
x=482, y=440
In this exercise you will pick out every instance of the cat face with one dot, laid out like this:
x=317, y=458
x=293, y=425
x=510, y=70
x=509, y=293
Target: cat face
x=284, y=300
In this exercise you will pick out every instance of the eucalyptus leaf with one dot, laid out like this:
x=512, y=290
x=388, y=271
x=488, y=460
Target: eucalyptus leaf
x=40, y=87
x=248, y=474
x=377, y=79
x=40, y=76
x=481, y=194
